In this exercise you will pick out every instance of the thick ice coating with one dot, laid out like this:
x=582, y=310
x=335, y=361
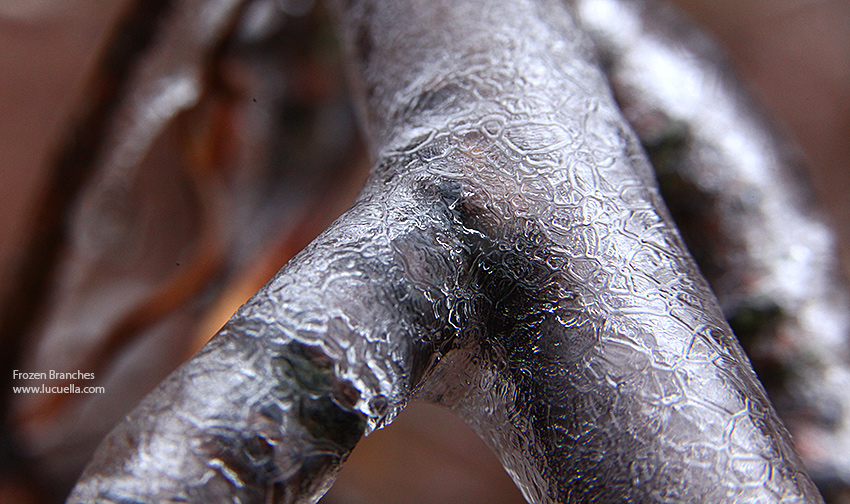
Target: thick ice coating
x=746, y=212
x=510, y=258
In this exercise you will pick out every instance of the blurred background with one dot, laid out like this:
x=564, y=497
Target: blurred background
x=151, y=185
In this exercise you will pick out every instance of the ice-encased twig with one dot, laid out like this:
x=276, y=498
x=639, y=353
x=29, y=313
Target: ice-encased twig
x=510, y=257
x=746, y=212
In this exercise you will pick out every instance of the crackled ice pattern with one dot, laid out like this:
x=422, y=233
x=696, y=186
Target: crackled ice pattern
x=767, y=249
x=509, y=258
x=588, y=349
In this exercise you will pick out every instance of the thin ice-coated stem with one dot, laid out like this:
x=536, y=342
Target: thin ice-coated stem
x=510, y=258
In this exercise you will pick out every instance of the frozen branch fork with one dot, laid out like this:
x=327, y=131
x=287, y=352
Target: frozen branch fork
x=510, y=258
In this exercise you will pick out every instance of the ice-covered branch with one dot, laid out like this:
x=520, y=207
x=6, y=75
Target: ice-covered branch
x=510, y=258
x=735, y=187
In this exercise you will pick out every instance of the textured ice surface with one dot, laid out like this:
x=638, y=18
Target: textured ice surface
x=592, y=355
x=770, y=258
x=510, y=258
